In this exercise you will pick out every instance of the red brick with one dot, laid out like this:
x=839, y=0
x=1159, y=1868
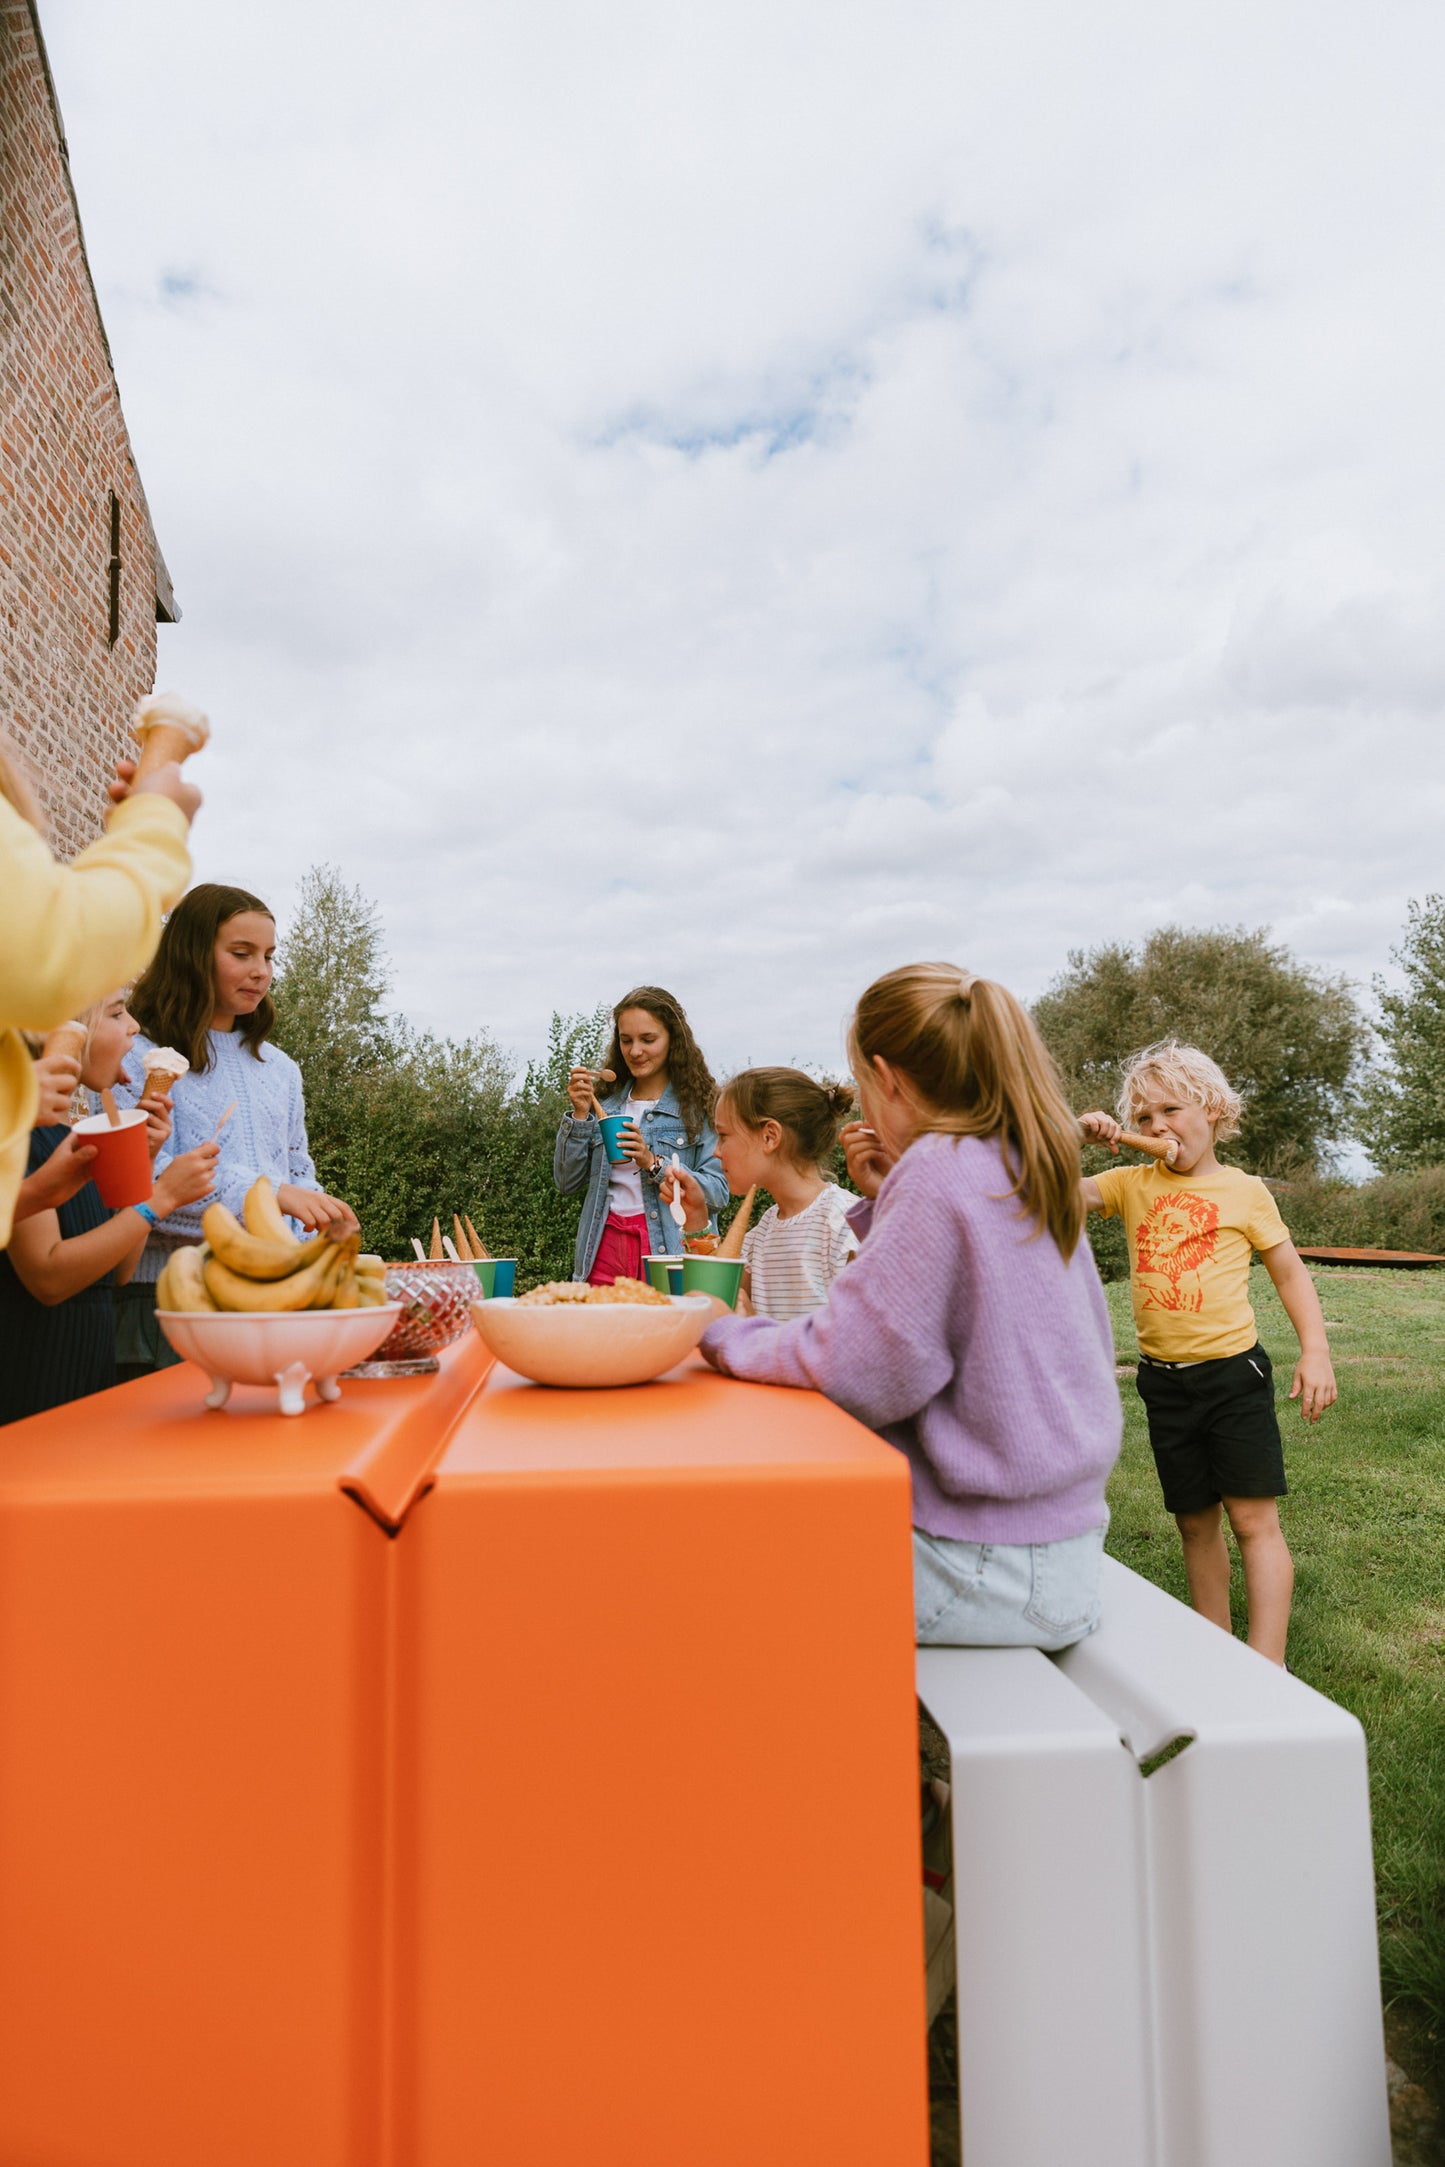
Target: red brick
x=64, y=691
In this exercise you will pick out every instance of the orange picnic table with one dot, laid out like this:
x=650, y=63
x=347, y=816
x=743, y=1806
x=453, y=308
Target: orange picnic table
x=464, y=1772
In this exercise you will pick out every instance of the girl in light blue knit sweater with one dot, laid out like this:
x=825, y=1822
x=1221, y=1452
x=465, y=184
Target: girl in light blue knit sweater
x=207, y=995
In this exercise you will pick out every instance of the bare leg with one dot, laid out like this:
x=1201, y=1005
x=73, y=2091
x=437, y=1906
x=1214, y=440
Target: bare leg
x=1268, y=1571
x=1206, y=1563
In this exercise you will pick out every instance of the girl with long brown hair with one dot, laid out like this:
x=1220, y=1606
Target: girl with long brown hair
x=970, y=1331
x=208, y=995
x=663, y=1088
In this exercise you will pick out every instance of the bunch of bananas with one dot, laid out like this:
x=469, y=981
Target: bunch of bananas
x=261, y=1265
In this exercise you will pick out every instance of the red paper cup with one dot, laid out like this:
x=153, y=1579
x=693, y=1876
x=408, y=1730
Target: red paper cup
x=121, y=1169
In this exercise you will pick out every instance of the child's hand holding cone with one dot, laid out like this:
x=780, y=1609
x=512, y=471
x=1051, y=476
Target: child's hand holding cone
x=57, y=1073
x=167, y=728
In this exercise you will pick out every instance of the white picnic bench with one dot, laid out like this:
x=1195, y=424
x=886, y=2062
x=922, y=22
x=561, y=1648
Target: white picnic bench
x=1161, y=1962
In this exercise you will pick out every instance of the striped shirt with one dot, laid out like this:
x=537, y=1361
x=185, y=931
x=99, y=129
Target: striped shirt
x=793, y=1262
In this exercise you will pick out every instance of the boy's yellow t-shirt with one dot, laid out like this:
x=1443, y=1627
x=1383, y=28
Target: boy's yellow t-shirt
x=1190, y=1238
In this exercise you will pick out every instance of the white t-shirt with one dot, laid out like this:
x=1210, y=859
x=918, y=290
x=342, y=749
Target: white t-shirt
x=624, y=1183
x=793, y=1262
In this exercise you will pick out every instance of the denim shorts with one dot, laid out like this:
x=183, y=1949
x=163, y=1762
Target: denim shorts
x=1006, y=1595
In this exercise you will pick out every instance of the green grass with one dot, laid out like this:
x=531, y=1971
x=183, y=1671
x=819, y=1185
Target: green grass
x=1365, y=1520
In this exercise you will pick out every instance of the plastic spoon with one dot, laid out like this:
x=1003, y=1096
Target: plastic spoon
x=676, y=1206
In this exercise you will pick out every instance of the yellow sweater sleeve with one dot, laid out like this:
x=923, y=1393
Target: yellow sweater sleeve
x=73, y=933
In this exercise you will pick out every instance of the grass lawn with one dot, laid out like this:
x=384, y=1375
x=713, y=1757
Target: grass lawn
x=1366, y=1523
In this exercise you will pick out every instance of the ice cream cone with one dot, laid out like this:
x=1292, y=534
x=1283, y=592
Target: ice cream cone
x=482, y=1254
x=66, y=1038
x=731, y=1244
x=167, y=728
x=438, y=1254
x=161, y=1070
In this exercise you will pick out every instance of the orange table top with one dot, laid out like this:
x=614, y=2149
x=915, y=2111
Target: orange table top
x=154, y=1438
x=691, y=1423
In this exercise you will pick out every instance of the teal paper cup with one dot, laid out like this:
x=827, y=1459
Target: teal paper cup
x=612, y=1126
x=664, y=1274
x=497, y=1275
x=721, y=1276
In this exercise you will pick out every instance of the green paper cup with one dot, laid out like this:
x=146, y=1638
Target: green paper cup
x=497, y=1275
x=721, y=1276
x=664, y=1274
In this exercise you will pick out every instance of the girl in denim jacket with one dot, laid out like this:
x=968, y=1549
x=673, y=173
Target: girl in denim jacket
x=666, y=1091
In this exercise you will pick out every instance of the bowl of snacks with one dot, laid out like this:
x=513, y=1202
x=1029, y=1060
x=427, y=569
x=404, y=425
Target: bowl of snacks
x=568, y=1333
x=436, y=1300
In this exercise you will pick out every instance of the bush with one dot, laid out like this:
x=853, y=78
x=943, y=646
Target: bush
x=1395, y=1211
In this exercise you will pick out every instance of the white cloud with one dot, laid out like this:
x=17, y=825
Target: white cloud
x=741, y=498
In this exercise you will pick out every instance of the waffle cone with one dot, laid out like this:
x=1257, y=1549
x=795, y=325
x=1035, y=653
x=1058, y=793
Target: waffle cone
x=66, y=1038
x=731, y=1244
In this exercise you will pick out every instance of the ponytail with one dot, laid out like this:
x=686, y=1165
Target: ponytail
x=974, y=1058
x=809, y=1113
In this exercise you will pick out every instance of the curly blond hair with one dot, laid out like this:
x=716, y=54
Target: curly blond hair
x=1184, y=1073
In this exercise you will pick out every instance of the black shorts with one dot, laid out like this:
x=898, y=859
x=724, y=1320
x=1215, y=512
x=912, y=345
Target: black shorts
x=1213, y=1429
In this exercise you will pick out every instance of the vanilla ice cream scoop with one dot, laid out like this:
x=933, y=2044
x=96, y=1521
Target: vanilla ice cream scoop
x=163, y=1068
x=166, y=727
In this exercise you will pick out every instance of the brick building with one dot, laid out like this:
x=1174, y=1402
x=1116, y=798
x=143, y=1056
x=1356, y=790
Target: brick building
x=82, y=582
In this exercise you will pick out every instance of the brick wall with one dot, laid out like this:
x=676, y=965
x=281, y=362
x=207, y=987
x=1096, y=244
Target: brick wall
x=66, y=692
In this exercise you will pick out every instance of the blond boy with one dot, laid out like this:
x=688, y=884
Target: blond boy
x=1205, y=1381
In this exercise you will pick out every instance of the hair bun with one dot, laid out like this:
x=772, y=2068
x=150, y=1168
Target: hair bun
x=842, y=1097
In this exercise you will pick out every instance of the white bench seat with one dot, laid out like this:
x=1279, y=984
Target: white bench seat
x=1171, y=1971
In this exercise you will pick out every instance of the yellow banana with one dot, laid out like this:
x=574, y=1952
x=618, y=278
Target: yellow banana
x=247, y=1254
x=310, y=1288
x=370, y=1294
x=264, y=1216
x=184, y=1280
x=347, y=1293
x=373, y=1265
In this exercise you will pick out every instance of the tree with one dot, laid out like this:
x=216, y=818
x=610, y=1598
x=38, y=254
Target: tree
x=409, y=1127
x=1402, y=1112
x=332, y=981
x=1289, y=1038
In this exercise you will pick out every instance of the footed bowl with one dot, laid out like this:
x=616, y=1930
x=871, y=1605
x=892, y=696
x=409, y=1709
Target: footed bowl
x=288, y=1351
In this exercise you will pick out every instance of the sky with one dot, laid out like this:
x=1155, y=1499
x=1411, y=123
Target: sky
x=744, y=497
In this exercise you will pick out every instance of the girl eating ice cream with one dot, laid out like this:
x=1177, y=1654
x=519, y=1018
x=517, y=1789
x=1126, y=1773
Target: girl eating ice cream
x=207, y=996
x=59, y=1276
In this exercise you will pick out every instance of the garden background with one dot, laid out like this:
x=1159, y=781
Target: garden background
x=407, y=1127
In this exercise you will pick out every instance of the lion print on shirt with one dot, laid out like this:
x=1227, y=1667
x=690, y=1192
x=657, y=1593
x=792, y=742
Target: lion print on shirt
x=1173, y=1239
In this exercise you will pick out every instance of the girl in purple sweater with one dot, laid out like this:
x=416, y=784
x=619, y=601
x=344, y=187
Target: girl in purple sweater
x=971, y=1329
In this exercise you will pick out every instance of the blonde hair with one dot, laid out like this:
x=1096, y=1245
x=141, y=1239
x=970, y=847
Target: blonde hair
x=975, y=1059
x=1182, y=1072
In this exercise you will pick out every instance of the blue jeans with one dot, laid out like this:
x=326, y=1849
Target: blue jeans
x=1006, y=1595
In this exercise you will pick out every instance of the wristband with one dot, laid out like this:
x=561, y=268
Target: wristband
x=151, y=1218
